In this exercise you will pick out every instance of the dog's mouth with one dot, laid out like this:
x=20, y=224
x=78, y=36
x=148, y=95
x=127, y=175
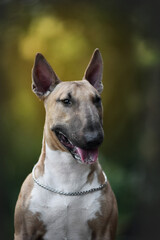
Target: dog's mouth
x=88, y=156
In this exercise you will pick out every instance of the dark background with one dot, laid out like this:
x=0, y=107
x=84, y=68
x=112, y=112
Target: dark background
x=66, y=32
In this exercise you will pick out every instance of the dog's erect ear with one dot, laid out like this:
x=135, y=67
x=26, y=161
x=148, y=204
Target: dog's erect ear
x=43, y=76
x=94, y=71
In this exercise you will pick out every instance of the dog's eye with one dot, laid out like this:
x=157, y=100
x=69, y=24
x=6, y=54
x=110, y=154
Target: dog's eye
x=97, y=99
x=66, y=101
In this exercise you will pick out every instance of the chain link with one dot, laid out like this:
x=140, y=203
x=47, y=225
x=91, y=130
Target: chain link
x=69, y=193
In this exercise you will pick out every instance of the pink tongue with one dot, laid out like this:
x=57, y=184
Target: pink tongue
x=88, y=156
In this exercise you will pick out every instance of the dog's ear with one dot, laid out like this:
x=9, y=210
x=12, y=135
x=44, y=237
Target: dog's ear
x=44, y=78
x=94, y=71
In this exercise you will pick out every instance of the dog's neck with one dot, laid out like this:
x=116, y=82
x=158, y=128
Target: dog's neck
x=62, y=172
x=63, y=169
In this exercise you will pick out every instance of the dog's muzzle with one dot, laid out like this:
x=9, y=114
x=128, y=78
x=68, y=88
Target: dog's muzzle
x=83, y=149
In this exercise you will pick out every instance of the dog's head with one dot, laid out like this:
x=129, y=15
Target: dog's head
x=73, y=109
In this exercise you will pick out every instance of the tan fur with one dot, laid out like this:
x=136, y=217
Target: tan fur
x=77, y=88
x=40, y=165
x=95, y=168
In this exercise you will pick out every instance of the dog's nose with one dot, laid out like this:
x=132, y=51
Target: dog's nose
x=93, y=139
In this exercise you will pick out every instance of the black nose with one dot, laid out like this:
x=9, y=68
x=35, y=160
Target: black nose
x=93, y=139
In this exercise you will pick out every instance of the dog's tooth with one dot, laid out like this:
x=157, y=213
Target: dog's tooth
x=77, y=157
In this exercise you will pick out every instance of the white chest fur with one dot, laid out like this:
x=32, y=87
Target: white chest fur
x=65, y=217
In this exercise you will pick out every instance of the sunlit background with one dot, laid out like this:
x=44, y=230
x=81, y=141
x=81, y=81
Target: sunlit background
x=66, y=33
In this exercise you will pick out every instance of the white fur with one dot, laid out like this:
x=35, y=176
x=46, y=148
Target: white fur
x=65, y=217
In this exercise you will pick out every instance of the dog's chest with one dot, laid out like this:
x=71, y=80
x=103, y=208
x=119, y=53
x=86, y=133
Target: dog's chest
x=65, y=217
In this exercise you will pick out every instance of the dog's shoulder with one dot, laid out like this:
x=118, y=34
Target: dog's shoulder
x=25, y=191
x=21, y=204
x=25, y=217
x=23, y=200
x=110, y=203
x=107, y=217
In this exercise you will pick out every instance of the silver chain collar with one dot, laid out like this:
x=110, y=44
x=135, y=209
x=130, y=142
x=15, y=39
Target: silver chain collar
x=101, y=186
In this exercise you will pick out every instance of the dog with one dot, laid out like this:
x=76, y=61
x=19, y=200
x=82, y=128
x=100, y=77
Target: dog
x=67, y=196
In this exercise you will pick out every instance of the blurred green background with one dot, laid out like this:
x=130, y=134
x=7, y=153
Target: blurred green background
x=66, y=32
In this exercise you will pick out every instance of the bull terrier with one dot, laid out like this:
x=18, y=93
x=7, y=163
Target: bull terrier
x=67, y=196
